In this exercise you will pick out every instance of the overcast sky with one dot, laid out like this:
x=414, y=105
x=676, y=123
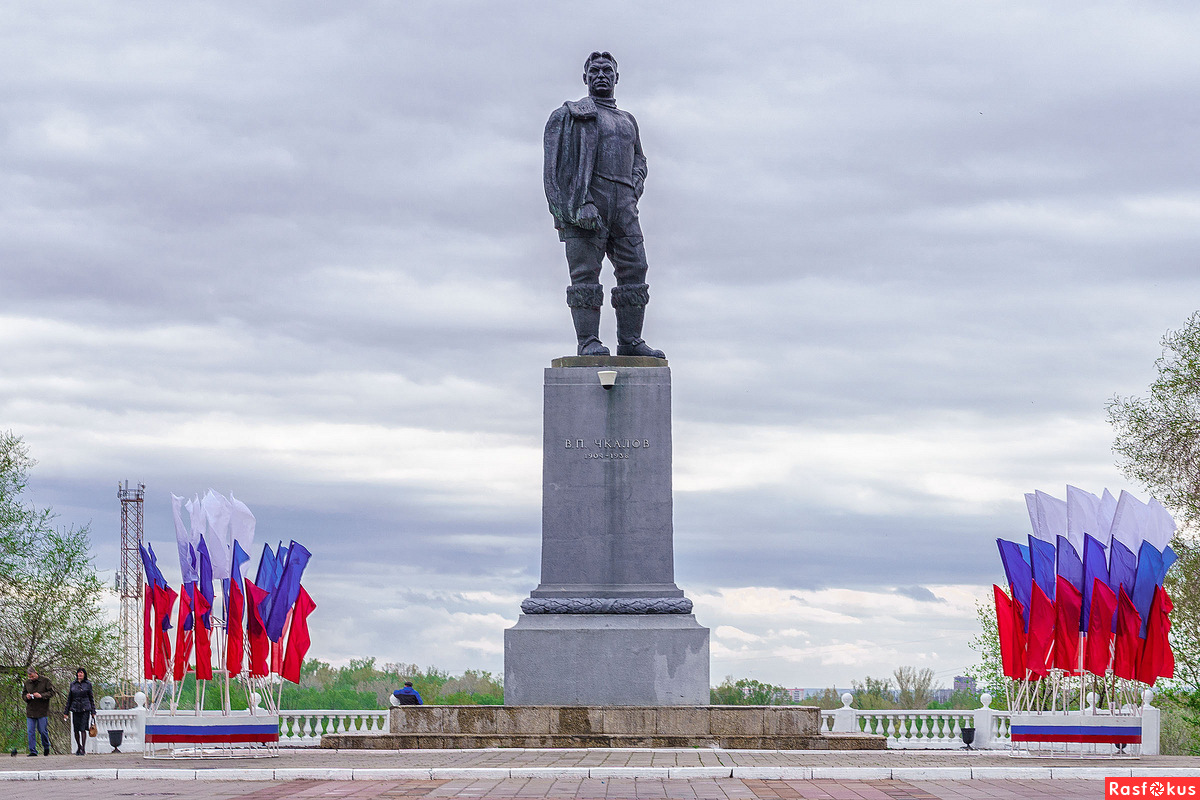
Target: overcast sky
x=900, y=258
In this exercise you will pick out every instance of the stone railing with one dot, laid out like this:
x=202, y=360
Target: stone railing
x=924, y=729
x=305, y=728
x=130, y=721
x=929, y=729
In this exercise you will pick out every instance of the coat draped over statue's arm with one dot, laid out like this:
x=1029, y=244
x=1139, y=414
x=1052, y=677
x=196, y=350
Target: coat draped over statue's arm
x=570, y=146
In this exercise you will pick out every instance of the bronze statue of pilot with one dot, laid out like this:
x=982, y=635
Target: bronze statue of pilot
x=594, y=174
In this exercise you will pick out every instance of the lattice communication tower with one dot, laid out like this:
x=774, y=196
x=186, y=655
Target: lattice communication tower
x=129, y=587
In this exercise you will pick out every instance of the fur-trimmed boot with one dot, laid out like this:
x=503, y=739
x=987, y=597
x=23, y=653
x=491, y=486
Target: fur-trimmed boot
x=630, y=303
x=585, y=300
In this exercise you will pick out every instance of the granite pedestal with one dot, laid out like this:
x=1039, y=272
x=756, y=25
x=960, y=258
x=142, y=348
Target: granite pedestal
x=607, y=625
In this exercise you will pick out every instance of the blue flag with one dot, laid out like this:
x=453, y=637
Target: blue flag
x=1069, y=564
x=1169, y=559
x=1041, y=559
x=235, y=569
x=285, y=594
x=281, y=553
x=1018, y=572
x=1150, y=573
x=266, y=568
x=1122, y=568
x=154, y=575
x=1095, y=565
x=206, y=580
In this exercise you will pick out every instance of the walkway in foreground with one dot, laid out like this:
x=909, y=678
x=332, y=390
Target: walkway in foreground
x=666, y=774
x=575, y=789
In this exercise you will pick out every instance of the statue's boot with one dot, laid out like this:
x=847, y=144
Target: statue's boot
x=630, y=301
x=585, y=301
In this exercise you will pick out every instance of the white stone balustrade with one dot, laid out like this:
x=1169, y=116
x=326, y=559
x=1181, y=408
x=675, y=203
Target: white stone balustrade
x=131, y=721
x=923, y=729
x=305, y=728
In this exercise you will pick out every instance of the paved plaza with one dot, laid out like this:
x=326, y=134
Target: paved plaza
x=609, y=789
x=669, y=774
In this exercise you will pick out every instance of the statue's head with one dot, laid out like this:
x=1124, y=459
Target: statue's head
x=600, y=74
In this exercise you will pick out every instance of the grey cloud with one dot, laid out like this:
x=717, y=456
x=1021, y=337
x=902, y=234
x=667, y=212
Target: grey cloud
x=919, y=593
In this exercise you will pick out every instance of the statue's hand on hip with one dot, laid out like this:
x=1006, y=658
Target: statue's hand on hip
x=588, y=217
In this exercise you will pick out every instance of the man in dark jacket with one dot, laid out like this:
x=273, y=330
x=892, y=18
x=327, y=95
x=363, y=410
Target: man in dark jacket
x=408, y=696
x=37, y=693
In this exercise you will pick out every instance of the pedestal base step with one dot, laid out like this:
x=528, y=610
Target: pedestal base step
x=440, y=741
x=729, y=727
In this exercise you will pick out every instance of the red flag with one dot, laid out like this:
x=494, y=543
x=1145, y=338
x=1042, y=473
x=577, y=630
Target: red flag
x=1156, y=650
x=1098, y=653
x=277, y=647
x=1129, y=624
x=183, y=639
x=298, y=639
x=1068, y=606
x=1168, y=664
x=204, y=670
x=164, y=601
x=236, y=634
x=1009, y=656
x=1041, y=632
x=148, y=633
x=1020, y=638
x=260, y=646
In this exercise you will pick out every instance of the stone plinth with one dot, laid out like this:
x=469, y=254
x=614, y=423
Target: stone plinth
x=731, y=727
x=607, y=625
x=606, y=659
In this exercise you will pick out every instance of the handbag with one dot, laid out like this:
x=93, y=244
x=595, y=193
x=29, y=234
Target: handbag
x=92, y=730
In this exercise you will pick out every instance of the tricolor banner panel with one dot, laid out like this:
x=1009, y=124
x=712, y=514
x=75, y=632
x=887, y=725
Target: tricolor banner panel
x=1075, y=729
x=190, y=729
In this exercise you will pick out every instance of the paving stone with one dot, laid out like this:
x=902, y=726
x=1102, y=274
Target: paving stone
x=852, y=773
x=72, y=774
x=549, y=772
x=931, y=773
x=391, y=774
x=1011, y=773
x=630, y=772
x=452, y=773
x=1090, y=773
x=302, y=774
x=699, y=772
x=156, y=774
x=235, y=774
x=773, y=773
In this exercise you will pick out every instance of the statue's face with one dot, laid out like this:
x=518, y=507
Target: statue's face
x=601, y=77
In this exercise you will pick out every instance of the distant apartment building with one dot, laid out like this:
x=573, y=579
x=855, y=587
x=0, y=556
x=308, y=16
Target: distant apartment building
x=964, y=684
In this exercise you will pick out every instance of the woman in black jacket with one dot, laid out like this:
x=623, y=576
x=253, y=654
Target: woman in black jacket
x=81, y=706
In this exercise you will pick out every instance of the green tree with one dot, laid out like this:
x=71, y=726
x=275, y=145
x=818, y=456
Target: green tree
x=748, y=692
x=873, y=694
x=915, y=685
x=1158, y=436
x=50, y=599
x=829, y=698
x=1158, y=445
x=362, y=685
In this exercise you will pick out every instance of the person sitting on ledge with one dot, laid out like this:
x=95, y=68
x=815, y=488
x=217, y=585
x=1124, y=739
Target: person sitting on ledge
x=408, y=696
